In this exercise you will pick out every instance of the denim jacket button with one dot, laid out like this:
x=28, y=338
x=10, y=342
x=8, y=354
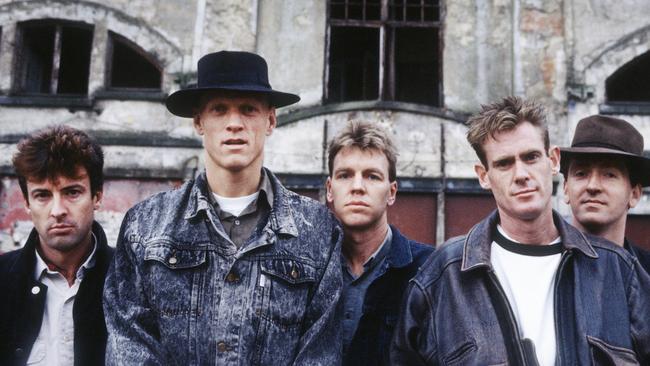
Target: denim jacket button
x=172, y=260
x=232, y=277
x=222, y=347
x=294, y=273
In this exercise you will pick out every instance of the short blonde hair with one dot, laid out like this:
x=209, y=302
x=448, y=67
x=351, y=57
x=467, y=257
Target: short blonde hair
x=365, y=136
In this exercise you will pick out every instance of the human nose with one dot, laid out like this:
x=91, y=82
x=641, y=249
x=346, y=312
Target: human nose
x=357, y=183
x=593, y=183
x=234, y=122
x=521, y=171
x=59, y=208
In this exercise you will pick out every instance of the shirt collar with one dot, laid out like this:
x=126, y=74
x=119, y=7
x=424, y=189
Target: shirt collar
x=41, y=267
x=382, y=250
x=265, y=189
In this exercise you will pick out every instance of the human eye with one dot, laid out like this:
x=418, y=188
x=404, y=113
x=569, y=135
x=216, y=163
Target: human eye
x=218, y=108
x=611, y=174
x=342, y=175
x=375, y=177
x=532, y=157
x=502, y=163
x=41, y=195
x=73, y=193
x=248, y=109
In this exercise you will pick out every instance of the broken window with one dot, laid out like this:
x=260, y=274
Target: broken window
x=630, y=83
x=384, y=50
x=130, y=67
x=53, y=57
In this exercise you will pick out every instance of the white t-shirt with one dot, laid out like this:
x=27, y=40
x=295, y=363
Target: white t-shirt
x=527, y=275
x=235, y=205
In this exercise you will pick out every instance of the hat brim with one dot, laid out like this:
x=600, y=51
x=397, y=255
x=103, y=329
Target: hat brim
x=639, y=162
x=183, y=103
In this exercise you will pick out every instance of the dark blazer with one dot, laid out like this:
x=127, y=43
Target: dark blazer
x=21, y=312
x=381, y=305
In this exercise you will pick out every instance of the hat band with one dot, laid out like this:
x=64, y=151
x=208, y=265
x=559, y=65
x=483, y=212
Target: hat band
x=600, y=144
x=240, y=78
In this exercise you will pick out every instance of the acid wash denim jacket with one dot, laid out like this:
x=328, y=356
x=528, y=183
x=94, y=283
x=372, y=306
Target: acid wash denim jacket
x=456, y=312
x=181, y=293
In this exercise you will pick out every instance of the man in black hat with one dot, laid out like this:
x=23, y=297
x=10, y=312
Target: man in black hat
x=604, y=174
x=231, y=268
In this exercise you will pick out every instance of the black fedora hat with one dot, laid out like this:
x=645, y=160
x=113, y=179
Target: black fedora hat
x=605, y=135
x=228, y=70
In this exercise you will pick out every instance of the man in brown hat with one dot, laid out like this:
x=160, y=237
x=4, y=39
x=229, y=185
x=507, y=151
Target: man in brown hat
x=231, y=268
x=604, y=172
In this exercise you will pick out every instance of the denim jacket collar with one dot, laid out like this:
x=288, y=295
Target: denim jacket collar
x=281, y=219
x=476, y=249
x=400, y=251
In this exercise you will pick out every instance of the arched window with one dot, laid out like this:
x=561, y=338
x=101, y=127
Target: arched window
x=129, y=67
x=631, y=82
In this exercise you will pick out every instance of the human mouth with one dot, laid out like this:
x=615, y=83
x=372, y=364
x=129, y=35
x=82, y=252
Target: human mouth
x=60, y=229
x=235, y=142
x=357, y=204
x=524, y=192
x=593, y=202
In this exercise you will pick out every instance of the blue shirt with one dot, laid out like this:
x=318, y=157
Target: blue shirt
x=355, y=287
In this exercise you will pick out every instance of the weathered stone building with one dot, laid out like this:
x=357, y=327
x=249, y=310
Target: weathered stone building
x=417, y=67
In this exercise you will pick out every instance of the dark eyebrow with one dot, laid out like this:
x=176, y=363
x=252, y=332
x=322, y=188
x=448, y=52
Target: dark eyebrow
x=504, y=160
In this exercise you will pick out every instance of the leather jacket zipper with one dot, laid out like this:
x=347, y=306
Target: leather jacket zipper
x=512, y=322
x=558, y=335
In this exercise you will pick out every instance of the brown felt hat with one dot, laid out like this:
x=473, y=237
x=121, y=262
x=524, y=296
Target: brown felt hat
x=603, y=135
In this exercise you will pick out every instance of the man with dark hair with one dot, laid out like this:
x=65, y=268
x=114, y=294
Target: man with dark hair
x=231, y=268
x=377, y=259
x=604, y=175
x=51, y=312
x=523, y=287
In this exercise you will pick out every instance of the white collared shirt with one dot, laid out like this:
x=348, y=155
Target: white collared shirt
x=55, y=342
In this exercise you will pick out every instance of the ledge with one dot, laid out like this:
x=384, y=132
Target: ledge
x=125, y=138
x=314, y=111
x=54, y=101
x=152, y=95
x=633, y=108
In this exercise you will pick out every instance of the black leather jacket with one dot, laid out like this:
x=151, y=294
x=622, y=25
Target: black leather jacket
x=456, y=313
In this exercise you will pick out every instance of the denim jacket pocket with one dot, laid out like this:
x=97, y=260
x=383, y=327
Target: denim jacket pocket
x=175, y=278
x=289, y=285
x=285, y=286
x=605, y=354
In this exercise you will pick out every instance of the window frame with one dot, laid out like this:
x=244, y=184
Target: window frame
x=387, y=37
x=108, y=71
x=19, y=71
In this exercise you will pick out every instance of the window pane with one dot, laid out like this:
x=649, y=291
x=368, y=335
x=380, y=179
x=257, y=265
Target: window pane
x=373, y=10
x=337, y=9
x=74, y=67
x=630, y=83
x=416, y=65
x=354, y=64
x=36, y=58
x=396, y=10
x=130, y=69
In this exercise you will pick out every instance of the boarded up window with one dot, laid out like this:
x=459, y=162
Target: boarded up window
x=384, y=50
